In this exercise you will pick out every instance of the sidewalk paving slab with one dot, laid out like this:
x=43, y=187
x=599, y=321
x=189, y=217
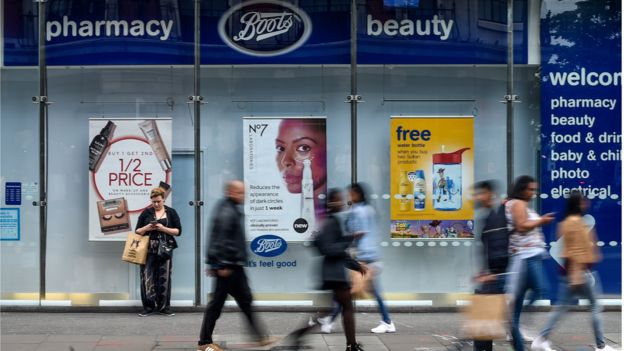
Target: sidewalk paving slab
x=19, y=347
x=73, y=338
x=23, y=339
x=614, y=338
x=66, y=346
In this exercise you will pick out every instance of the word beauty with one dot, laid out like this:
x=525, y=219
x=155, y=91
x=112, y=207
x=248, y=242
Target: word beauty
x=430, y=27
x=160, y=29
x=572, y=120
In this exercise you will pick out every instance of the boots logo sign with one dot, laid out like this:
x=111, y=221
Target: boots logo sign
x=265, y=28
x=268, y=245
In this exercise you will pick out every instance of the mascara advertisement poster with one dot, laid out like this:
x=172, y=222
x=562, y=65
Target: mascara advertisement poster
x=285, y=175
x=128, y=157
x=432, y=169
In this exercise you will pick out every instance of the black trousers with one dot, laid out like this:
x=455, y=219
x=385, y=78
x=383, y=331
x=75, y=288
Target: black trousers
x=156, y=283
x=236, y=285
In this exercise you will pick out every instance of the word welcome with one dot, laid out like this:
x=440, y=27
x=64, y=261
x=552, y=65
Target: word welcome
x=110, y=28
x=583, y=78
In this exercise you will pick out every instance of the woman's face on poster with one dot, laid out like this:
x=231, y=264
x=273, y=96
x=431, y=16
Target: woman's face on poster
x=298, y=140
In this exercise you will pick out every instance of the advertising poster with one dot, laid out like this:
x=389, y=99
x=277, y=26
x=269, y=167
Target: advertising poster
x=431, y=162
x=127, y=158
x=285, y=177
x=581, y=125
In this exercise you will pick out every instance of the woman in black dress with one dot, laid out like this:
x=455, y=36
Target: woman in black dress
x=332, y=244
x=158, y=221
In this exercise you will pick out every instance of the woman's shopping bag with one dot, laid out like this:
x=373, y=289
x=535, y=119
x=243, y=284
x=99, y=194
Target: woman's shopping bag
x=360, y=283
x=135, y=250
x=486, y=317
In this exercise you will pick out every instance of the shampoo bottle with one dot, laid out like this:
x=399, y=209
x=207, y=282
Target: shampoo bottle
x=405, y=188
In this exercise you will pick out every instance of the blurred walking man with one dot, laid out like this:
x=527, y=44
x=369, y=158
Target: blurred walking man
x=226, y=257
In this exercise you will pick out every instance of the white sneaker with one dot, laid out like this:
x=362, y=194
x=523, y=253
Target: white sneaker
x=384, y=327
x=327, y=328
x=324, y=320
x=526, y=336
x=606, y=348
x=541, y=344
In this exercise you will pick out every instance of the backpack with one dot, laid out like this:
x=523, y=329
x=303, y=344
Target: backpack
x=495, y=238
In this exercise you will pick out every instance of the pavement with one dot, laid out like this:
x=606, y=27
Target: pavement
x=22, y=331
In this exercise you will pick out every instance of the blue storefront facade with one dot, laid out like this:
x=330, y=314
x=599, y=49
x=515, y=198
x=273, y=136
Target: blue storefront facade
x=274, y=58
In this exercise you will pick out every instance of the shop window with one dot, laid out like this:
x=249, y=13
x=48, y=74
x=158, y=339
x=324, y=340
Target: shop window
x=496, y=11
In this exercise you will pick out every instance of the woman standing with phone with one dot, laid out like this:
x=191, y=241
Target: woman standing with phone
x=162, y=224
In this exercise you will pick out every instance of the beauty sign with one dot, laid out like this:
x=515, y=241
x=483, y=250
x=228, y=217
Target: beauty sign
x=431, y=168
x=127, y=159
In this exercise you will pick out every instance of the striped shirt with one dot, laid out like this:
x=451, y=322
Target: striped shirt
x=527, y=244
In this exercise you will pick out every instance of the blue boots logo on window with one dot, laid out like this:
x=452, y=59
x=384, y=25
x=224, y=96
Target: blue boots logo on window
x=265, y=28
x=268, y=245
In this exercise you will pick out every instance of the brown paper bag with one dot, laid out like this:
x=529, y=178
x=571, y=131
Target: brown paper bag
x=486, y=317
x=360, y=283
x=135, y=250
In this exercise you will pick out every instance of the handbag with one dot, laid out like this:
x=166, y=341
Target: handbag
x=165, y=248
x=486, y=317
x=360, y=283
x=135, y=250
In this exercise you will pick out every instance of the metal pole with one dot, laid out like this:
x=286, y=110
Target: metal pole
x=42, y=100
x=354, y=98
x=510, y=98
x=197, y=100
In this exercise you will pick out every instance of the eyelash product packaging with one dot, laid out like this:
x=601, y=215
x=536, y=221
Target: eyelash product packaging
x=113, y=215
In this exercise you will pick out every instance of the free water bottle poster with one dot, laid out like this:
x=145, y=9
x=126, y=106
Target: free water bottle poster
x=285, y=175
x=432, y=168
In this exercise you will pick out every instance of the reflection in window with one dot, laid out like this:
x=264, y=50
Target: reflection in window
x=496, y=10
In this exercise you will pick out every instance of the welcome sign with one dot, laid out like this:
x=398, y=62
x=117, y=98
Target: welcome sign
x=581, y=124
